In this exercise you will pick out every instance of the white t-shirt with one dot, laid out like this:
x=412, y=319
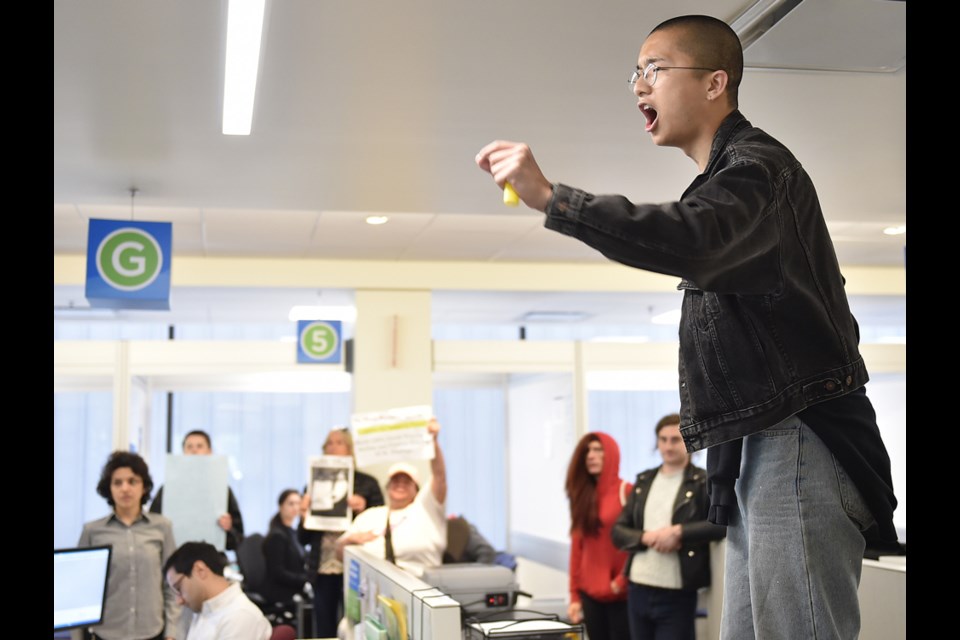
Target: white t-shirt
x=418, y=531
x=651, y=567
x=229, y=615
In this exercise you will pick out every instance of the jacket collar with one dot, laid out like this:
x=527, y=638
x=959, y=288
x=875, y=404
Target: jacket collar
x=690, y=473
x=733, y=122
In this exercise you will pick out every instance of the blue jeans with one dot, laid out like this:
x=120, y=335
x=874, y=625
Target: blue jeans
x=794, y=550
x=661, y=614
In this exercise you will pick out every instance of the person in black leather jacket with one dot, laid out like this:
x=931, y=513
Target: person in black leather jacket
x=669, y=540
x=770, y=375
x=286, y=572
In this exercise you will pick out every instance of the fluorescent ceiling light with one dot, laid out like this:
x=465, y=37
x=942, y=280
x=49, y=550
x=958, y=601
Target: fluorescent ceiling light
x=323, y=312
x=896, y=231
x=670, y=317
x=554, y=316
x=621, y=339
x=377, y=219
x=244, y=33
x=84, y=313
x=636, y=380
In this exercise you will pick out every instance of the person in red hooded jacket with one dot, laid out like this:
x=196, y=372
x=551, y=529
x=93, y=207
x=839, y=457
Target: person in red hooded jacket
x=598, y=585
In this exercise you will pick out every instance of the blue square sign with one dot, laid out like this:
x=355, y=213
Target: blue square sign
x=319, y=341
x=128, y=264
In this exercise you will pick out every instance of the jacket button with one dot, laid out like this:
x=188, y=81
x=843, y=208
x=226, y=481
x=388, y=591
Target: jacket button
x=690, y=554
x=830, y=385
x=639, y=490
x=689, y=494
x=849, y=380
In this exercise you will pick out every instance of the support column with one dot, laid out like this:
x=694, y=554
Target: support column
x=121, y=398
x=392, y=355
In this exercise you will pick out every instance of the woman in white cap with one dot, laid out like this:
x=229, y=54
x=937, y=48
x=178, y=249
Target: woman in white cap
x=417, y=533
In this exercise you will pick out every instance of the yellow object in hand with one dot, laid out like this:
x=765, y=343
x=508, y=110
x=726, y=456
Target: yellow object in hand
x=510, y=197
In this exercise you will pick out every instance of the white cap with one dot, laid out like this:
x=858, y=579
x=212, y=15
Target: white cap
x=404, y=467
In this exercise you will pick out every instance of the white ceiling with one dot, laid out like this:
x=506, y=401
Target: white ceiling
x=365, y=106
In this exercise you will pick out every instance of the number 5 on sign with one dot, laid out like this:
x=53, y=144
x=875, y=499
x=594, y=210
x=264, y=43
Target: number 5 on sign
x=319, y=341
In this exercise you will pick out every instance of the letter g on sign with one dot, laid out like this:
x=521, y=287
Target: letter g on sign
x=129, y=259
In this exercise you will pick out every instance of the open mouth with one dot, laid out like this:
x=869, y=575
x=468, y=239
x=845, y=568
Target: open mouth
x=650, y=114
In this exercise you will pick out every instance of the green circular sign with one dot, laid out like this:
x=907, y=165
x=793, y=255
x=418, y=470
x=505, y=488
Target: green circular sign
x=319, y=340
x=129, y=259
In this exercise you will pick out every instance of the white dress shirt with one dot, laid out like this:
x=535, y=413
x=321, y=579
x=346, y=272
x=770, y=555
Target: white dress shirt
x=229, y=615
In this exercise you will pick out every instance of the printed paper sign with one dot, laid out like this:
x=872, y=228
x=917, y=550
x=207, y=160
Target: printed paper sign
x=392, y=435
x=329, y=485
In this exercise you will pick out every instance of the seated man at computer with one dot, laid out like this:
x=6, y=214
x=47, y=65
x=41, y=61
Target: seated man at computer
x=417, y=533
x=223, y=611
x=197, y=443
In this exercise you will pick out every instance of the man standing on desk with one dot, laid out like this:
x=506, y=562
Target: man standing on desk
x=197, y=443
x=771, y=379
x=417, y=533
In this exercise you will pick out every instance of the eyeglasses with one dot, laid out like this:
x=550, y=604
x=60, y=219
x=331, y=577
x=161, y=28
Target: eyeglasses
x=649, y=73
x=176, y=585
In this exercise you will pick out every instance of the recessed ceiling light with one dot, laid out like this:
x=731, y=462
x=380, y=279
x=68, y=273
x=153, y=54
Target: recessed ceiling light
x=322, y=312
x=377, y=219
x=896, y=231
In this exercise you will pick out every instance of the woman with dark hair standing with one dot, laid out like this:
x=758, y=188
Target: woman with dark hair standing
x=325, y=570
x=598, y=586
x=286, y=567
x=139, y=605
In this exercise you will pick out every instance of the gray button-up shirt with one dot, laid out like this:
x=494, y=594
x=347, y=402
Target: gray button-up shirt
x=139, y=603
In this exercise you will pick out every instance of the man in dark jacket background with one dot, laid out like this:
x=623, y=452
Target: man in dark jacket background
x=664, y=526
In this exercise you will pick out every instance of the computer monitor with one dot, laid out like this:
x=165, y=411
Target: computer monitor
x=79, y=586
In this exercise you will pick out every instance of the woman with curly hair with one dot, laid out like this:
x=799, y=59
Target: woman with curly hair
x=139, y=605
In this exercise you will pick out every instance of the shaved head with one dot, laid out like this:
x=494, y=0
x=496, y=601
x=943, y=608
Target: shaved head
x=711, y=43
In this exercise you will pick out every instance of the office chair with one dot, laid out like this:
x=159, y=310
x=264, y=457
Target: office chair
x=283, y=632
x=253, y=566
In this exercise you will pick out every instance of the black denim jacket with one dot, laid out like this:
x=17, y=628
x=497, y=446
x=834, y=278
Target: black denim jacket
x=765, y=329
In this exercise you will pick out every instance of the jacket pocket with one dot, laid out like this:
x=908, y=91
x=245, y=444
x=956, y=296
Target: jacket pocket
x=724, y=357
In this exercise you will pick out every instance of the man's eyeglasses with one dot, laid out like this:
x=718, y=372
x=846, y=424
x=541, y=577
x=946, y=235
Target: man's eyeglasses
x=649, y=73
x=176, y=585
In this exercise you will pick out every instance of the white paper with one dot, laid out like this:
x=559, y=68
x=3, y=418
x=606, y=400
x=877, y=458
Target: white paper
x=392, y=435
x=329, y=484
x=194, y=498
